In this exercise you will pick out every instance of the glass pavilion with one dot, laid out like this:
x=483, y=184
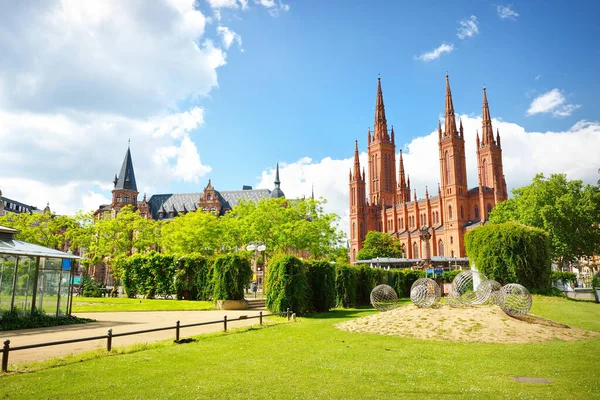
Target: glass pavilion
x=33, y=277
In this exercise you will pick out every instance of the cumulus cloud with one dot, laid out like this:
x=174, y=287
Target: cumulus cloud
x=275, y=8
x=506, y=12
x=435, y=53
x=468, y=27
x=228, y=37
x=553, y=102
x=525, y=154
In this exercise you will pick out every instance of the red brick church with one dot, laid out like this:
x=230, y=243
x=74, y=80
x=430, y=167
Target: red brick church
x=455, y=209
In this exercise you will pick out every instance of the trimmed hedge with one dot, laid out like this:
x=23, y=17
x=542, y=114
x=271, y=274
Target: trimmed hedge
x=193, y=279
x=511, y=253
x=564, y=277
x=346, y=285
x=231, y=275
x=320, y=276
x=286, y=285
x=148, y=274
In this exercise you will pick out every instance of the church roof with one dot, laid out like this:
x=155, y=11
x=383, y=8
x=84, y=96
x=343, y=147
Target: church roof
x=126, y=179
x=476, y=189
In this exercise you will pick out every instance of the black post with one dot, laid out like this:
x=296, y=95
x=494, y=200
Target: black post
x=109, y=340
x=260, y=317
x=288, y=313
x=177, y=331
x=5, y=351
x=225, y=322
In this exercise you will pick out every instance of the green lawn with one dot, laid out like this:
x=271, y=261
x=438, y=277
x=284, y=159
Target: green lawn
x=311, y=359
x=111, y=304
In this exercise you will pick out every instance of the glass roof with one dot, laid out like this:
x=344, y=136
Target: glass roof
x=17, y=247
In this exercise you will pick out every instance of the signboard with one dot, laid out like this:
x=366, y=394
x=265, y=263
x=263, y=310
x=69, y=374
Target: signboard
x=66, y=264
x=429, y=271
x=439, y=271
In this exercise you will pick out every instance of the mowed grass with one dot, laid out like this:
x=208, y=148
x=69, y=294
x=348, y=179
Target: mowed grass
x=311, y=359
x=113, y=304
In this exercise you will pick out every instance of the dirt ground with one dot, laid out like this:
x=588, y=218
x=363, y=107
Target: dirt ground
x=474, y=324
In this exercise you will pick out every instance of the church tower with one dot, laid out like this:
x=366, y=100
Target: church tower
x=382, y=157
x=125, y=190
x=358, y=209
x=453, y=170
x=489, y=158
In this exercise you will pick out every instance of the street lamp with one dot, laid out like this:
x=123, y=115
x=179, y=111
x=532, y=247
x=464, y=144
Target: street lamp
x=257, y=247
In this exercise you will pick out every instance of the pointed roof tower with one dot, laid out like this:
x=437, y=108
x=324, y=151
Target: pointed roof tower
x=356, y=170
x=380, y=127
x=401, y=173
x=126, y=179
x=487, y=133
x=277, y=192
x=449, y=118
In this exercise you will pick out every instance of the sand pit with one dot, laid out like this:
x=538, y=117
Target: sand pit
x=470, y=324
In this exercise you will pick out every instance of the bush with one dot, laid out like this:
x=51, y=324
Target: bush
x=449, y=276
x=596, y=281
x=402, y=279
x=149, y=274
x=231, y=275
x=12, y=320
x=193, y=279
x=345, y=285
x=511, y=253
x=90, y=288
x=553, y=292
x=286, y=285
x=564, y=277
x=320, y=276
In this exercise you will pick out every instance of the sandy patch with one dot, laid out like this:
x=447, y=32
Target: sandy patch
x=473, y=324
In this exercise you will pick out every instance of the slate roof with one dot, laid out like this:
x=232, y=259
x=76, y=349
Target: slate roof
x=476, y=190
x=126, y=179
x=14, y=206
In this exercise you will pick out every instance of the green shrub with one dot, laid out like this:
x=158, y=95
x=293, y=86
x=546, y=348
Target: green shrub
x=149, y=274
x=320, y=276
x=90, y=288
x=12, y=320
x=449, y=276
x=193, y=279
x=345, y=285
x=553, y=292
x=286, y=285
x=402, y=279
x=511, y=253
x=564, y=277
x=596, y=281
x=231, y=275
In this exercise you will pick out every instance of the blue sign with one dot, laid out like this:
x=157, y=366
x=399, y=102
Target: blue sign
x=66, y=264
x=429, y=271
x=439, y=271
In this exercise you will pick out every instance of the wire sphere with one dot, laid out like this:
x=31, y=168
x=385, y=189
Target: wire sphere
x=515, y=300
x=494, y=297
x=468, y=285
x=453, y=300
x=384, y=298
x=425, y=292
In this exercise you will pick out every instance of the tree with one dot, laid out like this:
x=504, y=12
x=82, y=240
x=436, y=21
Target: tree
x=191, y=233
x=379, y=244
x=568, y=210
x=44, y=229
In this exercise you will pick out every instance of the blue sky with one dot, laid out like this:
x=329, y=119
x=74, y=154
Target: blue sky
x=224, y=89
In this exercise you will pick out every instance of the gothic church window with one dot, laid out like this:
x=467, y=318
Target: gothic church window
x=484, y=180
x=449, y=212
x=353, y=230
x=441, y=248
x=489, y=208
x=462, y=213
x=448, y=181
x=415, y=250
x=476, y=213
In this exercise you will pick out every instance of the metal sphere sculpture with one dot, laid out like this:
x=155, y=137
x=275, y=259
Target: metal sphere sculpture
x=495, y=287
x=384, y=298
x=515, y=300
x=468, y=285
x=425, y=292
x=453, y=300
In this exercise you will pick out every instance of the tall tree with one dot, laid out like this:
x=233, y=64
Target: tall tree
x=44, y=229
x=568, y=210
x=379, y=244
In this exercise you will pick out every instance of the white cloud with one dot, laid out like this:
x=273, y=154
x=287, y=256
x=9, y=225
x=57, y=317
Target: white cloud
x=553, y=102
x=435, y=53
x=506, y=12
x=537, y=77
x=468, y=27
x=525, y=154
x=275, y=8
x=223, y=3
x=228, y=37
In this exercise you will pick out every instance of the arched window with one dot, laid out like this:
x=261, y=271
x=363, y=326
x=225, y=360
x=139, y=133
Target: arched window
x=489, y=208
x=441, y=248
x=403, y=247
x=452, y=254
x=449, y=212
x=354, y=254
x=451, y=240
x=484, y=180
x=353, y=230
x=118, y=198
x=415, y=250
x=459, y=171
x=447, y=162
x=126, y=199
x=476, y=213
x=462, y=212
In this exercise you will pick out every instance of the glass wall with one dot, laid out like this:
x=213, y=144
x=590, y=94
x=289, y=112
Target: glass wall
x=7, y=273
x=48, y=284
x=25, y=284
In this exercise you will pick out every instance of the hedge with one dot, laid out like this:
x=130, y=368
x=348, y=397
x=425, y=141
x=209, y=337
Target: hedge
x=148, y=274
x=345, y=285
x=231, y=275
x=511, y=253
x=286, y=285
x=564, y=277
x=193, y=279
x=320, y=276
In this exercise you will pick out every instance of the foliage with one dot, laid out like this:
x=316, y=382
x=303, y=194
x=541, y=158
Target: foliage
x=148, y=274
x=44, y=229
x=193, y=279
x=194, y=232
x=564, y=277
x=551, y=292
x=12, y=320
x=379, y=244
x=511, y=253
x=399, y=279
x=90, y=288
x=231, y=275
x=596, y=281
x=286, y=285
x=568, y=210
x=320, y=276
x=345, y=285
x=449, y=276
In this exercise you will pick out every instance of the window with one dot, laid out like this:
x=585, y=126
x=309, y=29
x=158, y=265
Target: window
x=160, y=215
x=171, y=214
x=415, y=250
x=441, y=248
x=489, y=208
x=208, y=197
x=449, y=212
x=462, y=213
x=353, y=230
x=143, y=215
x=452, y=253
x=126, y=199
x=451, y=240
x=484, y=173
x=476, y=213
x=448, y=181
x=118, y=198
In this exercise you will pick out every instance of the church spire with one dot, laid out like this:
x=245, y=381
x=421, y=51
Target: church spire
x=356, y=172
x=487, y=132
x=380, y=126
x=401, y=173
x=126, y=179
x=277, y=192
x=449, y=119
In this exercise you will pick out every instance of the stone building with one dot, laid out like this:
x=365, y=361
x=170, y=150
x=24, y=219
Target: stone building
x=450, y=212
x=8, y=206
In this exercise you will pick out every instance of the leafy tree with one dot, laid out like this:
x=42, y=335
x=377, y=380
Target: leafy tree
x=568, y=210
x=379, y=244
x=192, y=233
x=44, y=229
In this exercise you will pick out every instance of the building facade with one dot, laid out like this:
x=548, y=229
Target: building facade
x=8, y=206
x=455, y=208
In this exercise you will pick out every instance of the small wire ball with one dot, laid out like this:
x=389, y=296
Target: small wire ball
x=494, y=297
x=384, y=298
x=425, y=292
x=453, y=299
x=515, y=300
x=468, y=285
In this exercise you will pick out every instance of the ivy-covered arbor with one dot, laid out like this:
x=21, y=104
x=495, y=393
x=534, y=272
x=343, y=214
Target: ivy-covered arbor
x=33, y=277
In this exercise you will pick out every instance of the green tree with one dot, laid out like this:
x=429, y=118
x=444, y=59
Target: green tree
x=379, y=244
x=44, y=229
x=191, y=233
x=568, y=210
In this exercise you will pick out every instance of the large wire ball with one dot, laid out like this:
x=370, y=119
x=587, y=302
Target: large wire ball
x=468, y=285
x=384, y=298
x=453, y=299
x=425, y=292
x=494, y=297
x=515, y=300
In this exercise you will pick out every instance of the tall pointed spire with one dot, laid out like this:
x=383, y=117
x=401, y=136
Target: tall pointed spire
x=277, y=192
x=126, y=179
x=380, y=126
x=487, y=132
x=356, y=173
x=449, y=119
x=401, y=173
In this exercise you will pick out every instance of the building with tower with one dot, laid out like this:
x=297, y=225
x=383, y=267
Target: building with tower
x=449, y=214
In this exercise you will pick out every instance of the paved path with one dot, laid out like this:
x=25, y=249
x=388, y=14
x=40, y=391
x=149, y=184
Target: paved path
x=119, y=322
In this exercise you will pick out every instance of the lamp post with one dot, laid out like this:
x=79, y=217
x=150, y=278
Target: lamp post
x=257, y=247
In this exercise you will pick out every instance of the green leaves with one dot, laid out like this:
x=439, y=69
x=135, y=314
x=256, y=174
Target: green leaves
x=379, y=244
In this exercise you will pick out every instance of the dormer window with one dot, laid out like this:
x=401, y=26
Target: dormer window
x=160, y=215
x=208, y=197
x=171, y=214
